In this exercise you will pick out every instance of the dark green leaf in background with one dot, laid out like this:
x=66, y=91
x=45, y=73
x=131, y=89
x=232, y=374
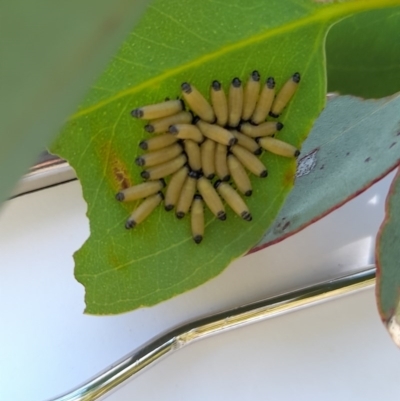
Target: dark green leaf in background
x=363, y=54
x=388, y=263
x=50, y=52
x=352, y=144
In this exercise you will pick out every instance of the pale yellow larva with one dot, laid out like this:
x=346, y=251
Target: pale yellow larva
x=144, y=210
x=219, y=103
x=197, y=218
x=235, y=102
x=233, y=199
x=158, y=110
x=140, y=191
x=284, y=95
x=250, y=95
x=197, y=102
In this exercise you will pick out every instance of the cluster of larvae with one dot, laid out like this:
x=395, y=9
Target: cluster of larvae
x=221, y=139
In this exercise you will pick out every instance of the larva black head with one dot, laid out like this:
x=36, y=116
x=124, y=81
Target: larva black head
x=130, y=224
x=140, y=161
x=246, y=216
x=217, y=183
x=255, y=76
x=297, y=153
x=210, y=176
x=197, y=239
x=221, y=215
x=138, y=113
x=258, y=151
x=143, y=145
x=180, y=215
x=145, y=174
x=232, y=141
x=296, y=77
x=161, y=195
x=168, y=208
x=196, y=119
x=198, y=196
x=279, y=126
x=273, y=115
x=186, y=87
x=226, y=178
x=216, y=85
x=236, y=82
x=172, y=129
x=248, y=193
x=149, y=128
x=270, y=82
x=163, y=182
x=194, y=174
x=120, y=196
x=264, y=174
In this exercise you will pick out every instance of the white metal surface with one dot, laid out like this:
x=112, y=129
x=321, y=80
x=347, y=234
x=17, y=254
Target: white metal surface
x=332, y=351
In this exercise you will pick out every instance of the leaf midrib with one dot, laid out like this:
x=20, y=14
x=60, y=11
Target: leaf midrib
x=332, y=12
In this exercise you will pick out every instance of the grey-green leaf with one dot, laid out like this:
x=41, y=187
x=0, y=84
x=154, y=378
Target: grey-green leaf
x=387, y=261
x=50, y=52
x=353, y=144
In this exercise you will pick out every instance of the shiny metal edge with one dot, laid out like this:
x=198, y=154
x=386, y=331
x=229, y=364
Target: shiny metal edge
x=44, y=175
x=175, y=339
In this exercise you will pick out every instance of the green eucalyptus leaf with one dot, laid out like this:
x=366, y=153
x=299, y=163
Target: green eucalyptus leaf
x=196, y=42
x=353, y=143
x=387, y=261
x=363, y=54
x=50, y=53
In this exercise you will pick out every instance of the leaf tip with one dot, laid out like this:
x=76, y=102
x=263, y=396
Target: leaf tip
x=393, y=327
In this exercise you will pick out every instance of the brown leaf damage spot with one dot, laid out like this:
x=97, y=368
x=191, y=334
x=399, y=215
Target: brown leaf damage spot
x=116, y=171
x=120, y=174
x=289, y=176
